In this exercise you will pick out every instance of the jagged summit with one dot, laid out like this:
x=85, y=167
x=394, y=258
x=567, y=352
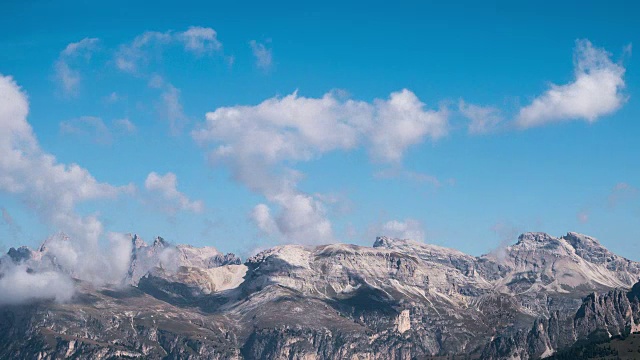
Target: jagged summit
x=382, y=241
x=581, y=241
x=160, y=242
x=575, y=239
x=137, y=241
x=20, y=254
x=535, y=237
x=389, y=242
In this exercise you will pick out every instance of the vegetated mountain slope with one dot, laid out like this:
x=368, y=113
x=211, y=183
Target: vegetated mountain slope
x=399, y=299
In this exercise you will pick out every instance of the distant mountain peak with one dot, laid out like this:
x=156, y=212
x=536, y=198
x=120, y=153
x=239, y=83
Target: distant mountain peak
x=580, y=240
x=160, y=242
x=20, y=254
x=389, y=242
x=535, y=237
x=137, y=241
x=382, y=241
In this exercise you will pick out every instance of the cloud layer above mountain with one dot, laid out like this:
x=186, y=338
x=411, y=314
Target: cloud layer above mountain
x=53, y=190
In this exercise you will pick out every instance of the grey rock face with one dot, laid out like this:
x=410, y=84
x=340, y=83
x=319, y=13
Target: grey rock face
x=20, y=254
x=616, y=312
x=399, y=299
x=122, y=324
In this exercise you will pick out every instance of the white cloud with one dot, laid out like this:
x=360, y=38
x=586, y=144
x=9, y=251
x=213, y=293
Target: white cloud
x=51, y=189
x=298, y=128
x=173, y=200
x=302, y=218
x=595, y=92
x=88, y=126
x=68, y=77
x=199, y=40
x=259, y=143
x=18, y=285
x=118, y=255
x=262, y=53
x=25, y=169
x=401, y=122
x=403, y=229
x=261, y=216
x=483, y=119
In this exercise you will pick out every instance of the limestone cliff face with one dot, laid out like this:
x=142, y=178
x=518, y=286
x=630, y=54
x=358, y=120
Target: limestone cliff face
x=403, y=322
x=399, y=299
x=616, y=312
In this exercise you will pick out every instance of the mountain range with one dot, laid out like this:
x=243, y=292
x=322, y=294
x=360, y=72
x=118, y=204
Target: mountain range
x=399, y=299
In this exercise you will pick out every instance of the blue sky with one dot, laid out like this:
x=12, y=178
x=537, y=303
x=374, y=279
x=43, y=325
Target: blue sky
x=244, y=125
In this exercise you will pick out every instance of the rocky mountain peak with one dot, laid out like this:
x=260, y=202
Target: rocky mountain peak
x=383, y=241
x=137, y=241
x=160, y=242
x=535, y=237
x=590, y=249
x=580, y=241
x=20, y=254
x=396, y=243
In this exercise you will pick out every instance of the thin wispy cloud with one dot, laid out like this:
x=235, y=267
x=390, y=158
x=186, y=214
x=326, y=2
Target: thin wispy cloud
x=112, y=98
x=137, y=56
x=482, y=119
x=169, y=106
x=89, y=127
x=66, y=75
x=131, y=57
x=125, y=126
x=619, y=195
x=172, y=200
x=262, y=53
x=506, y=232
x=621, y=192
x=96, y=130
x=200, y=40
